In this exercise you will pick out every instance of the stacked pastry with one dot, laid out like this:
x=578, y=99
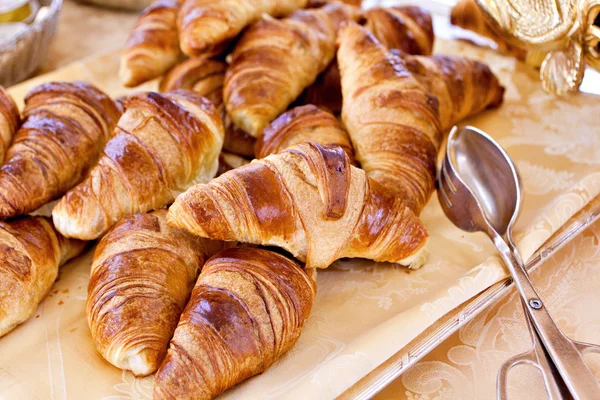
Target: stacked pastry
x=345, y=122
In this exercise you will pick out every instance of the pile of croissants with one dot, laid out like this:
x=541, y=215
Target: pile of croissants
x=215, y=289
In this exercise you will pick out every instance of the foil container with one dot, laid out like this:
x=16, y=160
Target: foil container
x=134, y=5
x=22, y=54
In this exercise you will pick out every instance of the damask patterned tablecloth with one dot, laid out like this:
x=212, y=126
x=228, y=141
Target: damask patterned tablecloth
x=465, y=365
x=364, y=311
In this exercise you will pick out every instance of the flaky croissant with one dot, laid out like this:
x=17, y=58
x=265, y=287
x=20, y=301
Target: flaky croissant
x=153, y=44
x=406, y=28
x=207, y=26
x=31, y=252
x=276, y=59
x=467, y=15
x=163, y=144
x=10, y=119
x=142, y=276
x=463, y=87
x=303, y=124
x=392, y=121
x=65, y=127
x=308, y=200
x=247, y=309
x=205, y=77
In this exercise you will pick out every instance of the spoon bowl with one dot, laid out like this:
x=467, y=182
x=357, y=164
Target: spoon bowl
x=480, y=180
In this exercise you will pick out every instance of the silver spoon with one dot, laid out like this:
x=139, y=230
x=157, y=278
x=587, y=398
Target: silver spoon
x=480, y=191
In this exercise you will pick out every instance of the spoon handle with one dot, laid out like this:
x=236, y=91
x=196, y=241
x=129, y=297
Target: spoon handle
x=563, y=351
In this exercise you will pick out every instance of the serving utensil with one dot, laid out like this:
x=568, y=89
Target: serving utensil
x=479, y=190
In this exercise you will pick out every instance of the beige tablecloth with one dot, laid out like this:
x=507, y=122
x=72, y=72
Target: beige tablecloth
x=364, y=312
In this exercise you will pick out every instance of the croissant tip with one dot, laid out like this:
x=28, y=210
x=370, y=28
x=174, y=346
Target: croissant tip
x=128, y=76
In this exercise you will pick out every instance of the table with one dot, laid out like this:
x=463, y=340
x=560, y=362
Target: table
x=465, y=365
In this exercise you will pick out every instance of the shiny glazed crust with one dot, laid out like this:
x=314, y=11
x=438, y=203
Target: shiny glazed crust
x=207, y=26
x=308, y=200
x=407, y=28
x=142, y=276
x=303, y=124
x=462, y=86
x=64, y=129
x=247, y=309
x=153, y=44
x=31, y=251
x=205, y=77
x=163, y=144
x=10, y=119
x=275, y=60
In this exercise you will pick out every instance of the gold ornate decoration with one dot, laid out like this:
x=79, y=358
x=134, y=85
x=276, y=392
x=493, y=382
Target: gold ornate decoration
x=567, y=31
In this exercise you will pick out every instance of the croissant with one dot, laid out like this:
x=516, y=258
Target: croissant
x=10, y=119
x=153, y=45
x=205, y=77
x=462, y=86
x=228, y=161
x=65, y=127
x=392, y=121
x=142, y=276
x=308, y=200
x=247, y=309
x=467, y=15
x=406, y=28
x=207, y=26
x=31, y=252
x=162, y=145
x=303, y=124
x=275, y=60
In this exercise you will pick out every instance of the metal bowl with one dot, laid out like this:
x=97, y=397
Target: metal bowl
x=135, y=5
x=21, y=55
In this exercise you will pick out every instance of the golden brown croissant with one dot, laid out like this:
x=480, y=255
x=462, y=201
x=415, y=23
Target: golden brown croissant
x=229, y=161
x=303, y=124
x=163, y=144
x=275, y=60
x=206, y=26
x=10, y=119
x=308, y=200
x=392, y=121
x=463, y=87
x=247, y=309
x=31, y=252
x=142, y=276
x=406, y=28
x=153, y=45
x=65, y=127
x=467, y=15
x=205, y=77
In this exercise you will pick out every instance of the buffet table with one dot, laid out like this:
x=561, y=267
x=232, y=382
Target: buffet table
x=463, y=366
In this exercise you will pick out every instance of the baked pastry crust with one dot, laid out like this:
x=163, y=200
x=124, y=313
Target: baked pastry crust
x=247, y=309
x=142, y=276
x=163, y=144
x=153, y=44
x=31, y=252
x=65, y=127
x=308, y=200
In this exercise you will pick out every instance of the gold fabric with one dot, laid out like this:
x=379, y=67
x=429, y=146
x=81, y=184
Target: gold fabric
x=364, y=312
